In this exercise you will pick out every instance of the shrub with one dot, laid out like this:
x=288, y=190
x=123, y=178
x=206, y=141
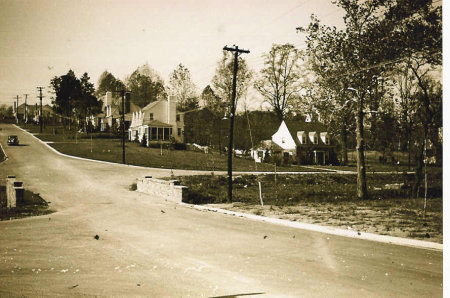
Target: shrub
x=179, y=146
x=144, y=141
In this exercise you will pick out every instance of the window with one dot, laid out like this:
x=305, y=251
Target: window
x=316, y=140
x=327, y=140
x=151, y=116
x=303, y=140
x=179, y=131
x=166, y=133
x=178, y=117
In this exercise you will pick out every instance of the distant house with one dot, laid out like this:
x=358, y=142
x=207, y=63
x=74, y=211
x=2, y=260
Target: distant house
x=158, y=121
x=300, y=141
x=30, y=113
x=112, y=112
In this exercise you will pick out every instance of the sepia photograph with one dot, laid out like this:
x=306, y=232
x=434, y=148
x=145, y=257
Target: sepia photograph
x=222, y=148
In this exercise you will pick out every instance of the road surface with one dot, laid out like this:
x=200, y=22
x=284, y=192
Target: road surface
x=152, y=248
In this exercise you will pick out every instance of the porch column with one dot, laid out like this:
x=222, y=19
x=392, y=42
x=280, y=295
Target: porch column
x=315, y=157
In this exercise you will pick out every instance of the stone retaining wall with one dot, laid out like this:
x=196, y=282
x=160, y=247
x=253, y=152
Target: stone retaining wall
x=166, y=189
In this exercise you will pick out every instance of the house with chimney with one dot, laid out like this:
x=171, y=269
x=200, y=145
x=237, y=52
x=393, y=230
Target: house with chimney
x=112, y=112
x=302, y=142
x=159, y=121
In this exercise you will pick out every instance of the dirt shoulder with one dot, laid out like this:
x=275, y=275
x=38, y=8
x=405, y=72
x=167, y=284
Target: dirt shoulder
x=375, y=218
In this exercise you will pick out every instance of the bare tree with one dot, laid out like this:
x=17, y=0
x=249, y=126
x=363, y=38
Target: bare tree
x=223, y=79
x=181, y=85
x=279, y=80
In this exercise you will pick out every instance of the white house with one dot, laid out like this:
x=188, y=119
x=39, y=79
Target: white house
x=158, y=121
x=304, y=141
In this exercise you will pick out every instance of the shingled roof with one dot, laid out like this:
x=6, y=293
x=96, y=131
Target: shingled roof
x=307, y=127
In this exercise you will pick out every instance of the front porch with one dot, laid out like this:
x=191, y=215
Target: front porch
x=159, y=132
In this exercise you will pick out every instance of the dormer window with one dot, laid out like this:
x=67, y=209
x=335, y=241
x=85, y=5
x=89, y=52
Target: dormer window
x=178, y=117
x=314, y=138
x=301, y=137
x=325, y=138
x=151, y=116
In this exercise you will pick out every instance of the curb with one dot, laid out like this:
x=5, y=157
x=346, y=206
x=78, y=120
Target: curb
x=327, y=229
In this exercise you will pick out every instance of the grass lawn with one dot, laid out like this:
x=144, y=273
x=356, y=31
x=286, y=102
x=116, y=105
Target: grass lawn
x=106, y=147
x=330, y=199
x=373, y=163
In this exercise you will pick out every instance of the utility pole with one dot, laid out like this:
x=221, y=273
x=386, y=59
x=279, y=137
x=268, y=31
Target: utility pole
x=236, y=51
x=17, y=109
x=41, y=118
x=25, y=116
x=123, y=93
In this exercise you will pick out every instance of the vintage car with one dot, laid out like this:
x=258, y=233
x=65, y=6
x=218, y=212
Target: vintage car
x=13, y=140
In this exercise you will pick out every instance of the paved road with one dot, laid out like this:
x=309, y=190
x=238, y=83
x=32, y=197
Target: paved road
x=182, y=252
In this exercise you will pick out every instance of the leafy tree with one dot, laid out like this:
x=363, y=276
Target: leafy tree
x=74, y=97
x=107, y=82
x=223, y=79
x=6, y=111
x=183, y=88
x=352, y=49
x=145, y=85
x=87, y=104
x=66, y=90
x=279, y=80
x=415, y=30
x=400, y=29
x=212, y=101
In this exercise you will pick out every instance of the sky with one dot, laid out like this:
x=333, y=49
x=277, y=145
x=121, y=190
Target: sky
x=41, y=39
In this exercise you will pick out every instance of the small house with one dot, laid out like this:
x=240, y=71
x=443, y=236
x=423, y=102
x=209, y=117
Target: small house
x=158, y=121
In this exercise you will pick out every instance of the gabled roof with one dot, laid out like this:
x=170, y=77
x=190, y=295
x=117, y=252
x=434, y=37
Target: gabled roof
x=150, y=105
x=134, y=108
x=268, y=144
x=307, y=127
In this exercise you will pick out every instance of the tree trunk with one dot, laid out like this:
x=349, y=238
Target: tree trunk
x=418, y=175
x=344, y=151
x=360, y=162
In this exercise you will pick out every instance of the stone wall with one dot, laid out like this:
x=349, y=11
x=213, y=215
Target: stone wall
x=11, y=200
x=166, y=189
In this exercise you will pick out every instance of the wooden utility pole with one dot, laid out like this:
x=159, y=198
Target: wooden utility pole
x=123, y=93
x=16, y=109
x=236, y=51
x=41, y=118
x=25, y=116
